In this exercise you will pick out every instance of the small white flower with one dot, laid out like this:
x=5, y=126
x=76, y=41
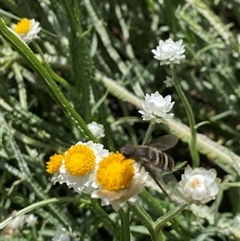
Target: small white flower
x=14, y=227
x=156, y=107
x=79, y=165
x=96, y=129
x=31, y=220
x=27, y=29
x=169, y=82
x=199, y=185
x=61, y=234
x=169, y=52
x=119, y=180
x=33, y=153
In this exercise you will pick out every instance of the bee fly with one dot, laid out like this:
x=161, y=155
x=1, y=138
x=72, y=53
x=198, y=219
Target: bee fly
x=154, y=160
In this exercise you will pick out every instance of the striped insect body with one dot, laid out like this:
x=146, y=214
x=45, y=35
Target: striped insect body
x=156, y=162
x=151, y=154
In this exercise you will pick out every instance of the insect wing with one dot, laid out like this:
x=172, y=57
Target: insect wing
x=163, y=143
x=167, y=183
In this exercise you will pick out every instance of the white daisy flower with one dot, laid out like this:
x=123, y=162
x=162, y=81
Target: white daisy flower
x=53, y=167
x=96, y=129
x=119, y=180
x=62, y=234
x=79, y=165
x=27, y=29
x=156, y=107
x=169, y=52
x=31, y=220
x=199, y=185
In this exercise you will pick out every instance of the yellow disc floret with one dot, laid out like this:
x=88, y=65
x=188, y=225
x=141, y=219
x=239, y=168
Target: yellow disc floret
x=54, y=163
x=115, y=172
x=23, y=26
x=79, y=160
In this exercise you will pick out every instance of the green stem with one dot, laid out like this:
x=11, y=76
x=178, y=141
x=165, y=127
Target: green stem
x=193, y=137
x=34, y=231
x=146, y=220
x=125, y=225
x=160, y=236
x=38, y=205
x=56, y=77
x=161, y=222
x=149, y=132
x=62, y=81
x=102, y=216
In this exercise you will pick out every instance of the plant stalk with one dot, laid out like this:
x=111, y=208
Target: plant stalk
x=149, y=132
x=125, y=225
x=193, y=137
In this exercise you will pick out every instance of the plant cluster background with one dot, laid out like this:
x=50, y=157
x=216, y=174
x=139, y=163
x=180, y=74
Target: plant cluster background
x=99, y=55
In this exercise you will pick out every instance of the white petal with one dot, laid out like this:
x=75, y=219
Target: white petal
x=199, y=185
x=156, y=107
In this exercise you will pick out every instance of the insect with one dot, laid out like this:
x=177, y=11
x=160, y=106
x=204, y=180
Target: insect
x=156, y=162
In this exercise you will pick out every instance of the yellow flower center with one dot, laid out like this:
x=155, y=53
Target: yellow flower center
x=79, y=160
x=115, y=172
x=23, y=26
x=54, y=163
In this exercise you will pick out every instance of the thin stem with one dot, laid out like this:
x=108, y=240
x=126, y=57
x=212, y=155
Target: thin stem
x=38, y=205
x=62, y=81
x=193, y=136
x=125, y=225
x=34, y=232
x=149, y=132
x=56, y=77
x=161, y=222
x=101, y=215
x=160, y=236
x=146, y=220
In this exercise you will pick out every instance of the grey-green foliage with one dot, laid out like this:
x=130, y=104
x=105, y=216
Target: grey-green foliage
x=105, y=82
